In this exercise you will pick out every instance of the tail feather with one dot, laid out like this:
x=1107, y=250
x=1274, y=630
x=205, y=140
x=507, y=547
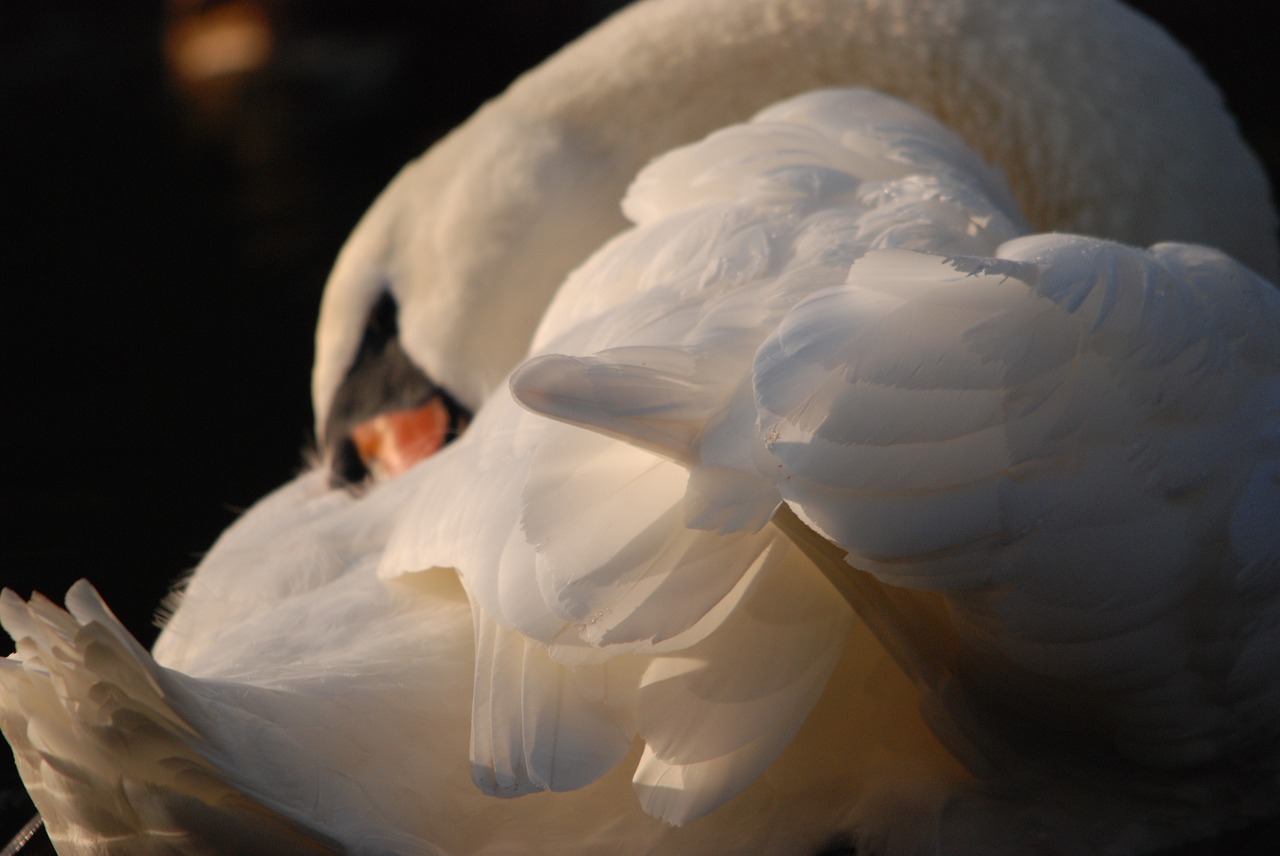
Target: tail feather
x=107, y=759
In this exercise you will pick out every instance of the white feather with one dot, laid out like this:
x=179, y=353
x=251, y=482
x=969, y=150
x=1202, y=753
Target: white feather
x=1053, y=460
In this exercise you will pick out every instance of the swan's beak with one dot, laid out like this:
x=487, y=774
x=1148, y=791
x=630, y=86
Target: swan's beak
x=387, y=440
x=390, y=443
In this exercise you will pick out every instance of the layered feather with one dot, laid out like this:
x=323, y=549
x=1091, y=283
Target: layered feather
x=611, y=533
x=1052, y=461
x=107, y=755
x=1070, y=441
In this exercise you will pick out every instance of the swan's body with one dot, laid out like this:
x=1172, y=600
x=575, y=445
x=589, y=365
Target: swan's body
x=633, y=634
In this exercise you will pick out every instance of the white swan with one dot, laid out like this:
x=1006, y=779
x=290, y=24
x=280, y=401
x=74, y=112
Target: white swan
x=633, y=636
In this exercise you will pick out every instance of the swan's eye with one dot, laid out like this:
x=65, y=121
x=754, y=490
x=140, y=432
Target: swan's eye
x=387, y=415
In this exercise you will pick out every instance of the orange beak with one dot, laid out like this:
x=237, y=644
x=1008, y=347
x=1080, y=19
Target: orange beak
x=391, y=443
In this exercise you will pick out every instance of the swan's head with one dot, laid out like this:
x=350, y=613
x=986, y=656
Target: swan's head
x=440, y=286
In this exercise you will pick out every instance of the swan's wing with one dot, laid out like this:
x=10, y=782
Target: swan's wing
x=1076, y=444
x=750, y=199
x=715, y=715
x=635, y=551
x=650, y=341
x=658, y=631
x=599, y=551
x=537, y=725
x=106, y=755
x=1070, y=442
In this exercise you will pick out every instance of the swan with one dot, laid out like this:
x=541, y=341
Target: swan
x=632, y=628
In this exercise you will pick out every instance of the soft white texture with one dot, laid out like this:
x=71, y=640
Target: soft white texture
x=831, y=307
x=1071, y=440
x=1085, y=107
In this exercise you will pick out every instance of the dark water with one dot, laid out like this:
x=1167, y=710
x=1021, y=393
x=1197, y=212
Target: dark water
x=165, y=246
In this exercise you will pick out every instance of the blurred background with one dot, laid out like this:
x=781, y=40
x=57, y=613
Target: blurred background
x=177, y=178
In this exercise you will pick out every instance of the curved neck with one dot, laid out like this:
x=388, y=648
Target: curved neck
x=1099, y=121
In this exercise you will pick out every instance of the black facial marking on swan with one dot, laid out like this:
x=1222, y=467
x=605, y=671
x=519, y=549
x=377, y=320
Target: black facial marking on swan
x=382, y=379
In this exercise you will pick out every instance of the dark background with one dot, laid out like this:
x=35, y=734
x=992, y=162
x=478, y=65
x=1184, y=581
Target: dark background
x=165, y=241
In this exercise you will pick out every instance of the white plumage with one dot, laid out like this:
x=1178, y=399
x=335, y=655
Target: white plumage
x=1055, y=437
x=1051, y=459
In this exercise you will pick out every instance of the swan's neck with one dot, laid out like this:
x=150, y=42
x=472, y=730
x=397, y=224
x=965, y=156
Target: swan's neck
x=1098, y=121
